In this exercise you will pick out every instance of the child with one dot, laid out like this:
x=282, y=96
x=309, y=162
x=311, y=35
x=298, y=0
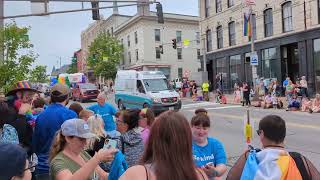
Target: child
x=237, y=96
x=275, y=101
x=306, y=105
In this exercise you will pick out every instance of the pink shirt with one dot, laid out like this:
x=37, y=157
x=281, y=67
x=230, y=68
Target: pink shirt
x=145, y=134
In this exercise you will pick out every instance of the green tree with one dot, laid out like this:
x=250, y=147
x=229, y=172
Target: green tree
x=105, y=53
x=73, y=68
x=39, y=74
x=17, y=55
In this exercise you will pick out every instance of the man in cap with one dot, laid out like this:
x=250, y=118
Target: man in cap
x=48, y=122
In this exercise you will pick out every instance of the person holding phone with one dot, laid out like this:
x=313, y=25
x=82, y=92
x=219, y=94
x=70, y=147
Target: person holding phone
x=208, y=153
x=68, y=160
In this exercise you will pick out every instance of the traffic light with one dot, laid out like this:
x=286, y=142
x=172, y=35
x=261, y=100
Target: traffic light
x=174, y=43
x=161, y=49
x=159, y=13
x=95, y=12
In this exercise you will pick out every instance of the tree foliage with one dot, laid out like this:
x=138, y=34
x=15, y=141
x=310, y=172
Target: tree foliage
x=73, y=68
x=105, y=53
x=17, y=55
x=39, y=74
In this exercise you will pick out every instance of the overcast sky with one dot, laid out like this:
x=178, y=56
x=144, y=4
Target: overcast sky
x=58, y=35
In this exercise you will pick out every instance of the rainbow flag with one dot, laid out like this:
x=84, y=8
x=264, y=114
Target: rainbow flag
x=247, y=25
x=268, y=164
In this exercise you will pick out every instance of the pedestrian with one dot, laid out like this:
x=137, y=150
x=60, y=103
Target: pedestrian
x=268, y=103
x=76, y=107
x=47, y=124
x=86, y=114
x=306, y=105
x=96, y=127
x=185, y=88
x=69, y=160
x=304, y=87
x=208, y=152
x=273, y=160
x=294, y=103
x=130, y=142
x=200, y=111
x=106, y=111
x=14, y=163
x=237, y=96
x=205, y=90
x=169, y=157
x=8, y=133
x=316, y=104
x=38, y=106
x=246, y=94
x=146, y=121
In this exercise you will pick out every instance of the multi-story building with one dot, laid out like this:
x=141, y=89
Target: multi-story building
x=148, y=44
x=286, y=35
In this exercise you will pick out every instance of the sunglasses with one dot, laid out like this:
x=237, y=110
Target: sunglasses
x=33, y=162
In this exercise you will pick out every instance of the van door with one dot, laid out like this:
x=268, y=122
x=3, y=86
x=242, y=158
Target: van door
x=142, y=99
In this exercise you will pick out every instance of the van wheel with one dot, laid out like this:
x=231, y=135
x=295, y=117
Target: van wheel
x=121, y=106
x=145, y=105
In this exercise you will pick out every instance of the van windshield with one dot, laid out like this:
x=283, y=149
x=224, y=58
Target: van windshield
x=156, y=85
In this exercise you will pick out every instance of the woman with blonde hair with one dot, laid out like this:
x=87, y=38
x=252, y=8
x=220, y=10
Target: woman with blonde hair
x=96, y=126
x=69, y=161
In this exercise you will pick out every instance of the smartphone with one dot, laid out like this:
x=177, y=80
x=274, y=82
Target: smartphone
x=110, y=143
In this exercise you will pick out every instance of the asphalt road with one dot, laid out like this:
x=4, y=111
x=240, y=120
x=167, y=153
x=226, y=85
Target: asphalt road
x=303, y=129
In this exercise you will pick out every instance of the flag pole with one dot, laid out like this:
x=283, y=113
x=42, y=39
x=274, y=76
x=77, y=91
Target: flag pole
x=254, y=67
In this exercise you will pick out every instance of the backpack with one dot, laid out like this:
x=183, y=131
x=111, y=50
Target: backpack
x=299, y=160
x=9, y=134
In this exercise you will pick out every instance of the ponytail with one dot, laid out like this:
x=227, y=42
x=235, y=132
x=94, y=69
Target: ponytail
x=58, y=144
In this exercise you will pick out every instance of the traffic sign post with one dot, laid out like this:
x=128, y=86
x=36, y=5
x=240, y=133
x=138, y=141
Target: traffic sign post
x=254, y=59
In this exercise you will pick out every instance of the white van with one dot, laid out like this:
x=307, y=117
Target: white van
x=141, y=89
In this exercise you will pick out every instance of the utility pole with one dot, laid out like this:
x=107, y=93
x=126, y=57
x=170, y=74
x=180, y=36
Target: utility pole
x=254, y=67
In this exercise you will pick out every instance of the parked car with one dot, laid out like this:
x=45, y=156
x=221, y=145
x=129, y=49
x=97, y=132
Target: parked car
x=84, y=91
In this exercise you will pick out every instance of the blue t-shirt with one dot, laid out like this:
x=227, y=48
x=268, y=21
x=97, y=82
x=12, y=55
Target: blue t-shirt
x=107, y=111
x=212, y=152
x=47, y=124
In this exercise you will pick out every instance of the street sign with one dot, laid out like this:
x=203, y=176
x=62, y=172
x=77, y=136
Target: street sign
x=254, y=59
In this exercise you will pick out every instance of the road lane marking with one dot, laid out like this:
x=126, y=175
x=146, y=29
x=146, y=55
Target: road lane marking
x=223, y=107
x=198, y=104
x=257, y=120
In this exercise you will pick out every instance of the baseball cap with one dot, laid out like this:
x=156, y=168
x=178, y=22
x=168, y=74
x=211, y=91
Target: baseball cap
x=60, y=90
x=78, y=128
x=14, y=157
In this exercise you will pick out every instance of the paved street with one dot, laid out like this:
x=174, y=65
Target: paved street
x=303, y=129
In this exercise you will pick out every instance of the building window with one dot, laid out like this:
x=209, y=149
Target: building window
x=235, y=69
x=316, y=56
x=158, y=53
x=268, y=23
x=287, y=17
x=207, y=8
x=254, y=27
x=198, y=37
x=179, y=52
x=270, y=66
x=128, y=39
x=111, y=31
x=137, y=54
x=219, y=37
x=179, y=38
x=129, y=57
x=209, y=40
x=180, y=73
x=232, y=33
x=157, y=35
x=218, y=6
x=230, y=3
x=198, y=53
x=222, y=69
x=136, y=37
x=122, y=43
